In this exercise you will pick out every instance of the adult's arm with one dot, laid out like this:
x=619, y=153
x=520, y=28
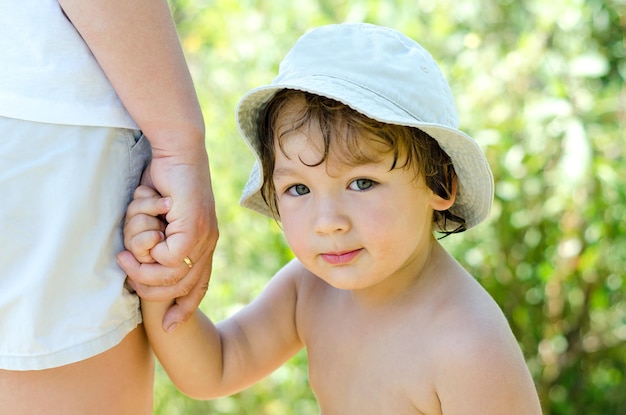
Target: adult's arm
x=136, y=44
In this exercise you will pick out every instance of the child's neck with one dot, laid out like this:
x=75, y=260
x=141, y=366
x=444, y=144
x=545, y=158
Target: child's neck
x=404, y=283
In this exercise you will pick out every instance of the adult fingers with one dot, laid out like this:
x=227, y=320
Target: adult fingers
x=157, y=282
x=185, y=306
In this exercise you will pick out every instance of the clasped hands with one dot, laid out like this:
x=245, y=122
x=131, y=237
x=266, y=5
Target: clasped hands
x=182, y=230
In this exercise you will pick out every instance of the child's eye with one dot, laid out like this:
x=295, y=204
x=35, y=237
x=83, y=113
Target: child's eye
x=298, y=190
x=361, y=184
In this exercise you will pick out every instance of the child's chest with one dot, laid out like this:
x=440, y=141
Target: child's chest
x=369, y=366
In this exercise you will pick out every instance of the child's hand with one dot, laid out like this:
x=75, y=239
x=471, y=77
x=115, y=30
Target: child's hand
x=143, y=227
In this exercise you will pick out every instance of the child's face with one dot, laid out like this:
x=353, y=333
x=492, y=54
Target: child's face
x=353, y=226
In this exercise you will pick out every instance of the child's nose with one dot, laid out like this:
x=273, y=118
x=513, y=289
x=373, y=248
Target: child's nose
x=330, y=216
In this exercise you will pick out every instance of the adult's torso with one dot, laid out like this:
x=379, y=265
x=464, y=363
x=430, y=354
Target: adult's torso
x=47, y=72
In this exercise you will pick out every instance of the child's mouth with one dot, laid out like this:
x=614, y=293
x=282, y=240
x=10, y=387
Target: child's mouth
x=340, y=258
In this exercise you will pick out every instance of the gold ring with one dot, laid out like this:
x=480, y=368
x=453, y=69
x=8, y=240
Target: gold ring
x=188, y=261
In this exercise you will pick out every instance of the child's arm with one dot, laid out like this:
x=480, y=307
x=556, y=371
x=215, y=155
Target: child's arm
x=203, y=360
x=206, y=361
x=136, y=44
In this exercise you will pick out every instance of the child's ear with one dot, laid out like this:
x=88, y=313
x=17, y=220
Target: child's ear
x=441, y=204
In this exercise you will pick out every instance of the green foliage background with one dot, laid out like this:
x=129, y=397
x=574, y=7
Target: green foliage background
x=540, y=85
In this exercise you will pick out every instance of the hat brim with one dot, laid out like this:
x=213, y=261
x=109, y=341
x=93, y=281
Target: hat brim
x=475, y=180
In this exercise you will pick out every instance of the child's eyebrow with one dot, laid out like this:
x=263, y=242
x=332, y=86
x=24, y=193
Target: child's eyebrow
x=283, y=172
x=289, y=173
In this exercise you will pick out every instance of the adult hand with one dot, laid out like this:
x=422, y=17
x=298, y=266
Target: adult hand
x=191, y=232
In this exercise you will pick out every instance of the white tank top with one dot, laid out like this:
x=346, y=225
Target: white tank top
x=47, y=72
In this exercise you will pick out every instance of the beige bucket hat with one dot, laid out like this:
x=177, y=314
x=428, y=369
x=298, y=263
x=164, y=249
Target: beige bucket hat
x=386, y=76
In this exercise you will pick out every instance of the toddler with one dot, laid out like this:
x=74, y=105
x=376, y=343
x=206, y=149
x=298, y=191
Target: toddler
x=360, y=159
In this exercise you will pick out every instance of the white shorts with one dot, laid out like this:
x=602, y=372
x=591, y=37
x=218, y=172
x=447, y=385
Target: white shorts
x=64, y=191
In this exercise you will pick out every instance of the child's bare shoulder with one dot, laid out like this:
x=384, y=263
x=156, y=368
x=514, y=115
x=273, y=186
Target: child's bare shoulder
x=467, y=319
x=477, y=360
x=311, y=292
x=307, y=283
x=471, y=327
